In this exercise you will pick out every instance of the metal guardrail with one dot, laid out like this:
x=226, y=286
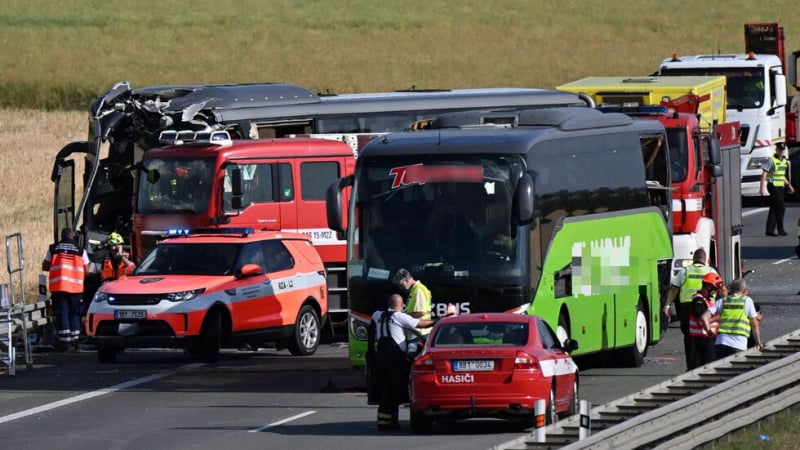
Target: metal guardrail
x=692, y=409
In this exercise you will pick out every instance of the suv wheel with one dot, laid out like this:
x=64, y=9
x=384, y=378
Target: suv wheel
x=211, y=337
x=305, y=339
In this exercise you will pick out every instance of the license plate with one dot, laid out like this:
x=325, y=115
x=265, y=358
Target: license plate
x=473, y=365
x=123, y=314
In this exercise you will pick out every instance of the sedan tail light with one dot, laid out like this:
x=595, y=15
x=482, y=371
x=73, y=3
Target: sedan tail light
x=423, y=364
x=524, y=361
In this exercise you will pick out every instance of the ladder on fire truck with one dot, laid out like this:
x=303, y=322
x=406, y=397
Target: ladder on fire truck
x=12, y=316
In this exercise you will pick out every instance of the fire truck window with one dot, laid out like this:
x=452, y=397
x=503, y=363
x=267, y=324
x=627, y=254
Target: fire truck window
x=259, y=188
x=316, y=177
x=285, y=182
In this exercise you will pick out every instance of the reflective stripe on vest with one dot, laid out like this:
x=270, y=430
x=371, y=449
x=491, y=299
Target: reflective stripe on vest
x=694, y=281
x=696, y=327
x=779, y=171
x=66, y=268
x=733, y=319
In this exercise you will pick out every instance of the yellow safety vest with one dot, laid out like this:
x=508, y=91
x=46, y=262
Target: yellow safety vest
x=426, y=306
x=733, y=319
x=779, y=171
x=694, y=281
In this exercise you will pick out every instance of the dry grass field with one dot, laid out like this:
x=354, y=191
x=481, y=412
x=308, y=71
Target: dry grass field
x=29, y=141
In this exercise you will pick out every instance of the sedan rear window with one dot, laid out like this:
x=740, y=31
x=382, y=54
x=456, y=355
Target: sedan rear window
x=481, y=333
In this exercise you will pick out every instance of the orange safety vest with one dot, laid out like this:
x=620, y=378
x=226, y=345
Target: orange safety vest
x=109, y=272
x=696, y=328
x=66, y=268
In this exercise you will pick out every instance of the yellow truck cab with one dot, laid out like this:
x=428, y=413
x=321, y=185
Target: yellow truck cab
x=676, y=92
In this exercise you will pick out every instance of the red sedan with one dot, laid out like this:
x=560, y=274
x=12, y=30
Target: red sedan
x=492, y=365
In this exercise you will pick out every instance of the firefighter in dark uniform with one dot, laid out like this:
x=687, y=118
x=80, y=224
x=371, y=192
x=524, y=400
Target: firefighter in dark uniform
x=387, y=362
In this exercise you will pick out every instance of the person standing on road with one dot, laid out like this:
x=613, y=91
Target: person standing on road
x=737, y=318
x=419, y=297
x=685, y=285
x=702, y=327
x=774, y=183
x=67, y=265
x=389, y=366
x=115, y=262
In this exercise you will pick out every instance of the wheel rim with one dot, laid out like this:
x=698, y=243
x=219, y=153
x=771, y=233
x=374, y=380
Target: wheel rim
x=641, y=331
x=552, y=410
x=309, y=331
x=561, y=334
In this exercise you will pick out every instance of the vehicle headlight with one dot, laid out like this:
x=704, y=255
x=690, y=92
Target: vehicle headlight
x=185, y=295
x=359, y=328
x=756, y=163
x=681, y=263
x=100, y=297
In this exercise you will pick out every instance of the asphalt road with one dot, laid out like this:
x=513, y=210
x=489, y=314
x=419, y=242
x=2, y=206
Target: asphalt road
x=268, y=399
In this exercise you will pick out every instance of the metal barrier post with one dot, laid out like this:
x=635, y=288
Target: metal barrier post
x=539, y=432
x=585, y=429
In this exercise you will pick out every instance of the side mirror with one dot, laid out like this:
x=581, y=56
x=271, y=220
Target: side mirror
x=524, y=198
x=333, y=202
x=249, y=270
x=570, y=345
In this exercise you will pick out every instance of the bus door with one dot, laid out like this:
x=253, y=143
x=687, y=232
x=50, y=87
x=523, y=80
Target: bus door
x=63, y=176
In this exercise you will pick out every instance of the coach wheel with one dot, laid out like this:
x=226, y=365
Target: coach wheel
x=305, y=339
x=634, y=355
x=562, y=330
x=211, y=337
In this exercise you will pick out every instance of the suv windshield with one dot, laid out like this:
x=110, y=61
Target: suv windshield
x=190, y=259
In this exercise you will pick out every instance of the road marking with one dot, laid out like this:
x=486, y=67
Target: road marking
x=281, y=422
x=82, y=397
x=754, y=211
x=783, y=260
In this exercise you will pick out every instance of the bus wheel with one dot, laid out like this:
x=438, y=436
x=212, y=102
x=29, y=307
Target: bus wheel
x=562, y=331
x=634, y=356
x=305, y=339
x=211, y=337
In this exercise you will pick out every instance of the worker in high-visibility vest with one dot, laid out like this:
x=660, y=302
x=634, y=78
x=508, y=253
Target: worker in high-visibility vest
x=67, y=265
x=737, y=319
x=687, y=282
x=418, y=304
x=116, y=264
x=702, y=327
x=774, y=182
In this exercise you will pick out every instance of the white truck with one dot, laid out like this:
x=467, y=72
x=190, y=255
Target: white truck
x=757, y=95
